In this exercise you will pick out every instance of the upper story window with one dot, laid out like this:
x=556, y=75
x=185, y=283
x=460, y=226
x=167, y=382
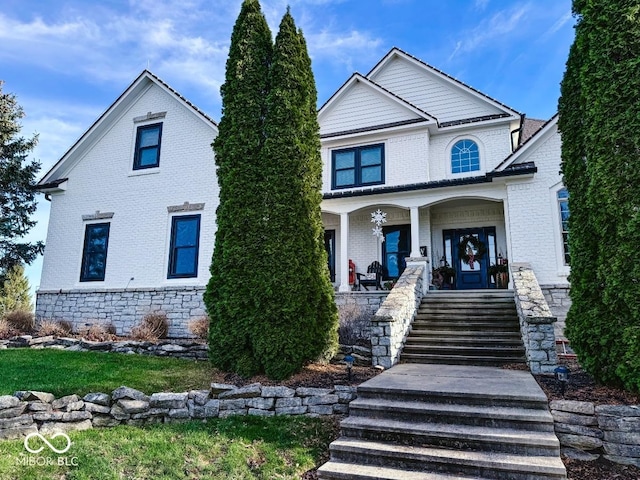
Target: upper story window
x=94, y=253
x=185, y=240
x=147, y=153
x=465, y=156
x=563, y=208
x=358, y=166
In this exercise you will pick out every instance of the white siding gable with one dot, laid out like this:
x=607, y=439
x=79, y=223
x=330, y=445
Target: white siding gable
x=360, y=106
x=424, y=89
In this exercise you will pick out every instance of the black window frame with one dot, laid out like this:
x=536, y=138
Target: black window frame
x=139, y=149
x=357, y=166
x=173, y=249
x=87, y=253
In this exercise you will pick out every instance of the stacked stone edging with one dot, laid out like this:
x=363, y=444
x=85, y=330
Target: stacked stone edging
x=26, y=412
x=587, y=431
x=536, y=320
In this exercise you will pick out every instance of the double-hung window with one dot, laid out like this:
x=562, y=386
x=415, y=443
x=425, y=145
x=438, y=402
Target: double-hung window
x=185, y=240
x=147, y=154
x=359, y=166
x=94, y=253
x=563, y=207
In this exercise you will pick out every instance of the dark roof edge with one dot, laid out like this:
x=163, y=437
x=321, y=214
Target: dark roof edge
x=53, y=184
x=374, y=128
x=521, y=169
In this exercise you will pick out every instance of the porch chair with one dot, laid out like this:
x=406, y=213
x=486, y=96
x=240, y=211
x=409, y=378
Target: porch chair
x=372, y=278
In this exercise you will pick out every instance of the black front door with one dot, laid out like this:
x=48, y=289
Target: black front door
x=469, y=251
x=396, y=247
x=330, y=247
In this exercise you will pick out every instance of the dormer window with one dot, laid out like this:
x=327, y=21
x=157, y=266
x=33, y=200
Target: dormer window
x=358, y=166
x=465, y=156
x=147, y=154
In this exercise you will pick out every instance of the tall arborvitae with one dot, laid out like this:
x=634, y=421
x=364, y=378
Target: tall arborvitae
x=238, y=246
x=299, y=316
x=15, y=293
x=603, y=178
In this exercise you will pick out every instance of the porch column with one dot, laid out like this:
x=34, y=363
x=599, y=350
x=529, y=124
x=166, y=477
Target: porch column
x=344, y=253
x=415, y=232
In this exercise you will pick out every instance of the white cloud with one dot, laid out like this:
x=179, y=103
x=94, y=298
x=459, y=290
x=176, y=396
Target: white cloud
x=481, y=4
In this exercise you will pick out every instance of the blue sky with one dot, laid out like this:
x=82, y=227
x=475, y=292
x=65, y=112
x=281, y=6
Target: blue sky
x=67, y=61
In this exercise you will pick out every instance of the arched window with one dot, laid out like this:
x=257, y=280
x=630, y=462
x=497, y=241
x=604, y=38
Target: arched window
x=465, y=156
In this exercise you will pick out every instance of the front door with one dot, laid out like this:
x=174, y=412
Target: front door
x=396, y=247
x=330, y=247
x=469, y=251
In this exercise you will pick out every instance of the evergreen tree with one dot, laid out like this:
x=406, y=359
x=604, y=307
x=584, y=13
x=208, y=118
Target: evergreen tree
x=15, y=294
x=235, y=268
x=600, y=124
x=17, y=198
x=299, y=316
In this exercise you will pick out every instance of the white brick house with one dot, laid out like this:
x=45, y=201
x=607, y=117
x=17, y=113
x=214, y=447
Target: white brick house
x=441, y=159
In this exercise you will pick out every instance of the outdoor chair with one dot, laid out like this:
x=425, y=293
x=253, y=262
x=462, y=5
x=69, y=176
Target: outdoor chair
x=372, y=278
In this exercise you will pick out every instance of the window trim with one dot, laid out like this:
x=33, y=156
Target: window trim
x=173, y=249
x=566, y=254
x=85, y=253
x=138, y=149
x=357, y=166
x=451, y=153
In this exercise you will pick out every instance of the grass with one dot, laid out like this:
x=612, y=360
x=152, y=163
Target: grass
x=233, y=448
x=65, y=373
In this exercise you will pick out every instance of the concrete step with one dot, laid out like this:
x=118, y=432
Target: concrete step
x=427, y=339
x=350, y=471
x=467, y=312
x=448, y=461
x=518, y=418
x=487, y=361
x=463, y=437
x=421, y=331
x=467, y=324
x=465, y=350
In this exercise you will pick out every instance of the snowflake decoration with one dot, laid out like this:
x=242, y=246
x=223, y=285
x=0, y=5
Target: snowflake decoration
x=378, y=217
x=377, y=231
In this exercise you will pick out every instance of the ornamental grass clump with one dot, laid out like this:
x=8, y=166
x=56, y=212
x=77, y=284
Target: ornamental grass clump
x=200, y=327
x=56, y=328
x=355, y=324
x=21, y=320
x=6, y=330
x=154, y=326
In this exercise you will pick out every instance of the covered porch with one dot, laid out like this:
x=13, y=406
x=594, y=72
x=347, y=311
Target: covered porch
x=462, y=237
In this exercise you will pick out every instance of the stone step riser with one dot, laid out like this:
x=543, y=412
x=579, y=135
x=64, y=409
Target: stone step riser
x=452, y=418
x=464, y=350
x=450, y=398
x=470, y=312
x=521, y=446
x=463, y=325
x=471, y=341
x=453, y=360
x=435, y=465
x=454, y=334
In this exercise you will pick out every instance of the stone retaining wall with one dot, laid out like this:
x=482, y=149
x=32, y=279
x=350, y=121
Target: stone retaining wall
x=586, y=431
x=536, y=320
x=392, y=321
x=124, y=308
x=26, y=412
x=559, y=301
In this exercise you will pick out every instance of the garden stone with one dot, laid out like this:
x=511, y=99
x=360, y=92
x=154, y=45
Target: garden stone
x=172, y=348
x=628, y=438
x=312, y=392
x=195, y=411
x=212, y=408
x=572, y=406
x=321, y=409
x=346, y=397
x=579, y=441
x=579, y=430
x=73, y=406
x=629, y=424
x=133, y=406
x=321, y=400
x=229, y=413
x=291, y=411
x=217, y=388
x=575, y=454
x=98, y=398
x=38, y=396
x=179, y=413
x=619, y=410
x=54, y=427
x=574, y=418
x=128, y=394
x=16, y=421
x=39, y=407
x=288, y=402
x=261, y=403
x=95, y=408
x=235, y=404
x=48, y=416
x=618, y=459
x=13, y=412
x=62, y=402
x=17, y=432
x=8, y=401
x=622, y=450
x=200, y=397
x=340, y=409
x=76, y=416
x=168, y=400
x=281, y=392
x=250, y=391
x=118, y=413
x=261, y=413
x=104, y=421
x=158, y=412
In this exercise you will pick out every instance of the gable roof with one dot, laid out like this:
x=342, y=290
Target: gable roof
x=396, y=52
x=529, y=143
x=126, y=98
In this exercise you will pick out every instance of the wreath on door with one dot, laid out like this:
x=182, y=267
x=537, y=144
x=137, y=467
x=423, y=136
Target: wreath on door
x=471, y=249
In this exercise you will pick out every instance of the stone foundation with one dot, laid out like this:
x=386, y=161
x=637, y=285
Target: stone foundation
x=124, y=309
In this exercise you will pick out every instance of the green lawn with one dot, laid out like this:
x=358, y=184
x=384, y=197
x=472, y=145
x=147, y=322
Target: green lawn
x=233, y=448
x=65, y=373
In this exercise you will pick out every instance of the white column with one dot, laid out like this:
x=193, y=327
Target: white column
x=415, y=232
x=344, y=253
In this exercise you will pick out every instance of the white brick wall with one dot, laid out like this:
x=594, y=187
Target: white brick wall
x=140, y=228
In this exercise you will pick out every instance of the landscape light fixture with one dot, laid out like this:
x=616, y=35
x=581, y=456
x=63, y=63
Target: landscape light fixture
x=348, y=360
x=562, y=376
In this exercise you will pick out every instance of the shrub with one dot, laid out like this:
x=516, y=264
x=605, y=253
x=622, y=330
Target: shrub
x=21, y=320
x=355, y=324
x=6, y=330
x=99, y=332
x=58, y=328
x=200, y=327
x=154, y=325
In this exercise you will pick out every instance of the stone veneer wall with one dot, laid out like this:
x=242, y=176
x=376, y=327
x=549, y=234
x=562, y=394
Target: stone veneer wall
x=392, y=321
x=123, y=308
x=536, y=320
x=586, y=431
x=557, y=297
x=28, y=412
